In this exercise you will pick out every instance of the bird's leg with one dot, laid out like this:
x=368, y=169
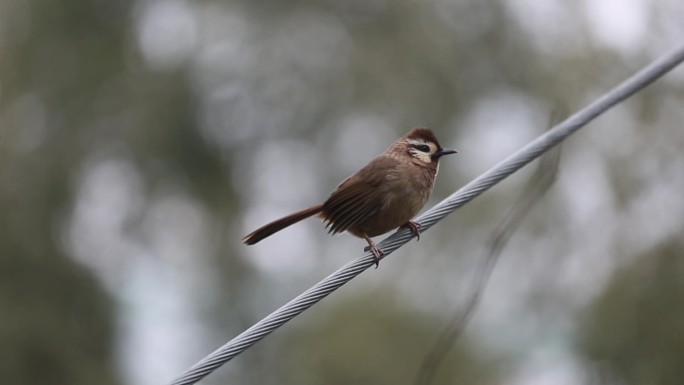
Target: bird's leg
x=411, y=225
x=414, y=227
x=377, y=253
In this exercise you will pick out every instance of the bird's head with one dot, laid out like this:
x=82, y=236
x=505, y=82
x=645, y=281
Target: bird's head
x=422, y=145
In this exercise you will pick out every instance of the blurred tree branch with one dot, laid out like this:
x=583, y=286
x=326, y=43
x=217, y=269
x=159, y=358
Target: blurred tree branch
x=536, y=188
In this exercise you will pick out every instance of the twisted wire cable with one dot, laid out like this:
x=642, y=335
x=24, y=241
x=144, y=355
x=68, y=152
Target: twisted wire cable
x=465, y=194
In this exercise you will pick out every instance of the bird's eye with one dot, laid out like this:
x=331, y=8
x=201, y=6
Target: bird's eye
x=422, y=147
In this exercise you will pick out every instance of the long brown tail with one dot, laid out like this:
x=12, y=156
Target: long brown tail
x=279, y=224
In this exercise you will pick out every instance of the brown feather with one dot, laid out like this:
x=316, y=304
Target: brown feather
x=423, y=133
x=279, y=224
x=359, y=197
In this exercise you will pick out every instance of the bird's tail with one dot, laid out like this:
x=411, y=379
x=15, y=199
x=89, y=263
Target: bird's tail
x=279, y=224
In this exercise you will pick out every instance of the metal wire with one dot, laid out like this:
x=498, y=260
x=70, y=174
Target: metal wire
x=468, y=192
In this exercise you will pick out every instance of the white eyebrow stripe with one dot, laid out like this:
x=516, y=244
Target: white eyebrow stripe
x=417, y=141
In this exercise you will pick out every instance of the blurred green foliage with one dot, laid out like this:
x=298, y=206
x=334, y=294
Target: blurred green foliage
x=634, y=333
x=56, y=322
x=374, y=341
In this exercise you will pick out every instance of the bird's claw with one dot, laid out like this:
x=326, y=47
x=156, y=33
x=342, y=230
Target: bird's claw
x=414, y=227
x=377, y=253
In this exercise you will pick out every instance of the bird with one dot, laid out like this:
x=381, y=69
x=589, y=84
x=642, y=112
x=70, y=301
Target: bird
x=383, y=195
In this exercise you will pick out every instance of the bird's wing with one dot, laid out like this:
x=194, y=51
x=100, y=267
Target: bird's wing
x=359, y=197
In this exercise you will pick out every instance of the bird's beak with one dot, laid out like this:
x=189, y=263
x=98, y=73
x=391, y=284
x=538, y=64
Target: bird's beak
x=445, y=151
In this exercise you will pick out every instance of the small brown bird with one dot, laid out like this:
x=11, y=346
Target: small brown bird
x=382, y=196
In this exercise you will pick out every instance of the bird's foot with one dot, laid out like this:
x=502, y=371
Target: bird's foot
x=377, y=253
x=414, y=227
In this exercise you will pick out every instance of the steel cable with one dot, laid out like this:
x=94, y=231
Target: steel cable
x=465, y=194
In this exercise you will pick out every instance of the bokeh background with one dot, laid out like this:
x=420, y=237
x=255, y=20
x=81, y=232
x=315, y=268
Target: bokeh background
x=140, y=140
